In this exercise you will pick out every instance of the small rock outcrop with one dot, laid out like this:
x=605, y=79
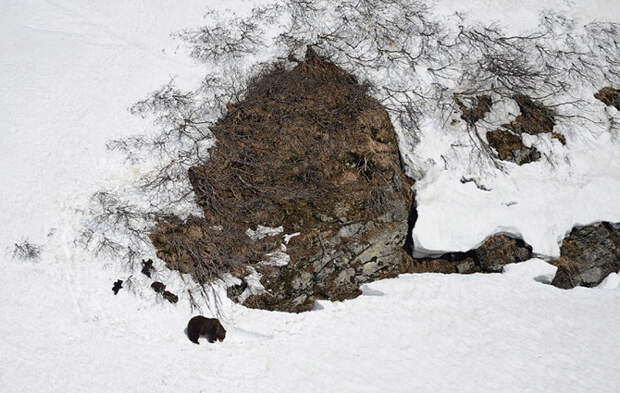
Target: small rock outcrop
x=481, y=105
x=510, y=147
x=609, y=96
x=588, y=255
x=490, y=257
x=535, y=119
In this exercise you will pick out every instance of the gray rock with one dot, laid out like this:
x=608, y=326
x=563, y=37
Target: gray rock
x=588, y=255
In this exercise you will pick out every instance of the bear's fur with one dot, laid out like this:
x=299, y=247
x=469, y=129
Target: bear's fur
x=201, y=326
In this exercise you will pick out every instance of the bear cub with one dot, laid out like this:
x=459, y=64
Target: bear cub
x=201, y=326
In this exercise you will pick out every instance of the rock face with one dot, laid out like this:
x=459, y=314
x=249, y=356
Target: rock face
x=308, y=150
x=491, y=257
x=588, y=255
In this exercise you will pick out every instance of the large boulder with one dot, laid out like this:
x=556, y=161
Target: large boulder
x=306, y=152
x=588, y=255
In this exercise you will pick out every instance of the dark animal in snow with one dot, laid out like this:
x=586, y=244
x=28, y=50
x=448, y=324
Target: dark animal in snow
x=147, y=267
x=171, y=297
x=158, y=286
x=201, y=326
x=117, y=286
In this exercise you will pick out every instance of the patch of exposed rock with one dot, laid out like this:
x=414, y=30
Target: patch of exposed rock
x=490, y=257
x=481, y=105
x=310, y=151
x=510, y=147
x=535, y=119
x=588, y=255
x=609, y=96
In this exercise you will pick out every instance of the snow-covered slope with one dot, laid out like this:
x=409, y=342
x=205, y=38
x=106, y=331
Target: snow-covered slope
x=68, y=72
x=62, y=330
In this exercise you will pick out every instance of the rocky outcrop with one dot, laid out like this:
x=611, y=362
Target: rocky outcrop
x=510, y=147
x=588, y=255
x=307, y=151
x=481, y=105
x=609, y=96
x=490, y=257
x=535, y=119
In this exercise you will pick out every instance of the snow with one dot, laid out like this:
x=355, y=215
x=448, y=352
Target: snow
x=533, y=201
x=424, y=332
x=69, y=71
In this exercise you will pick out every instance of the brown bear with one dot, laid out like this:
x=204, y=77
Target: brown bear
x=210, y=327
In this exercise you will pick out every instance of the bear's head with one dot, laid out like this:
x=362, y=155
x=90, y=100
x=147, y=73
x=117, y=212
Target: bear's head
x=220, y=334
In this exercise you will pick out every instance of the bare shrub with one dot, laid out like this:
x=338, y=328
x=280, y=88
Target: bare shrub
x=25, y=250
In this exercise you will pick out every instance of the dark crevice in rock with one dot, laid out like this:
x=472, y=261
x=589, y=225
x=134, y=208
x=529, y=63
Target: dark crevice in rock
x=413, y=217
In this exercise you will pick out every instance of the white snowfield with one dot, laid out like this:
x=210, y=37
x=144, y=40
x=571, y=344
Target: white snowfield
x=69, y=69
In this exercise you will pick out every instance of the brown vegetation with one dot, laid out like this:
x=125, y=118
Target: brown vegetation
x=481, y=105
x=510, y=147
x=609, y=96
x=535, y=118
x=307, y=149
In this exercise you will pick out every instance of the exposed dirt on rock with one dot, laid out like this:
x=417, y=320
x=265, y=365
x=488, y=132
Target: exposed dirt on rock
x=481, y=105
x=309, y=150
x=609, y=96
x=158, y=286
x=510, y=147
x=535, y=119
